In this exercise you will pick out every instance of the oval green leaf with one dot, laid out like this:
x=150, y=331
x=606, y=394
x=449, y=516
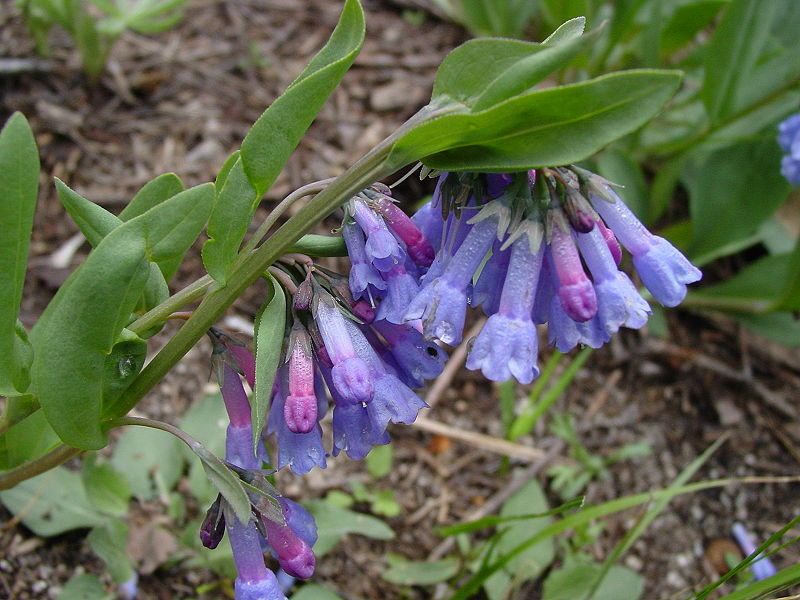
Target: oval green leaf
x=19, y=187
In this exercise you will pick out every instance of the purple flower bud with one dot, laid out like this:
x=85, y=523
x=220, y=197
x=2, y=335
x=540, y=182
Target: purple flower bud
x=762, y=567
x=574, y=288
x=364, y=277
x=401, y=290
x=301, y=452
x=300, y=409
x=245, y=361
x=662, y=268
x=213, y=528
x=303, y=295
x=382, y=248
x=350, y=375
x=294, y=555
x=319, y=346
x=417, y=246
x=442, y=303
x=508, y=344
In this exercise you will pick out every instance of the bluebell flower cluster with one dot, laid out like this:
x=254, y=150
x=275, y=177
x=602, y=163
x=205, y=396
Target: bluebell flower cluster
x=528, y=249
x=789, y=140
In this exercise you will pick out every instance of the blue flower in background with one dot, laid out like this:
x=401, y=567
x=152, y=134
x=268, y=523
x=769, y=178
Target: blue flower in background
x=789, y=140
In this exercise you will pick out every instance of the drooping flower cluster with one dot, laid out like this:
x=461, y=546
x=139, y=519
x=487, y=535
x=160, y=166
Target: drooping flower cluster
x=277, y=524
x=789, y=140
x=368, y=366
x=527, y=248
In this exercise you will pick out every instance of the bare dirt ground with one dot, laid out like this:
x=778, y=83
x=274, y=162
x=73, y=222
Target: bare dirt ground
x=182, y=101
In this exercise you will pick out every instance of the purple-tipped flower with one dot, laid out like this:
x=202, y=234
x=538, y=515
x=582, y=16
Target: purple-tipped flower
x=351, y=377
x=761, y=567
x=662, y=268
x=611, y=241
x=574, y=288
x=301, y=452
x=294, y=554
x=300, y=409
x=365, y=279
x=382, y=248
x=789, y=139
x=508, y=344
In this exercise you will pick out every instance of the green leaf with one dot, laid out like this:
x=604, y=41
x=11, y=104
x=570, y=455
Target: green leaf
x=334, y=522
x=732, y=54
x=314, y=592
x=781, y=327
x=320, y=245
x=527, y=72
x=548, y=127
x=109, y=542
x=277, y=132
x=725, y=204
x=106, y=488
x=379, y=461
x=530, y=563
x=152, y=194
x=206, y=421
x=80, y=326
x=270, y=325
x=686, y=21
x=233, y=211
x=52, y=503
x=225, y=170
x=150, y=461
x=574, y=580
x=402, y=571
x=567, y=31
x=760, y=589
x=84, y=587
x=30, y=438
x=493, y=520
x=19, y=187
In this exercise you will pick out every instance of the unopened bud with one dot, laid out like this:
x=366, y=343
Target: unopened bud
x=213, y=528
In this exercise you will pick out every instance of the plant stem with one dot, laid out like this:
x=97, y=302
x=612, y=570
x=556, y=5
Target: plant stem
x=162, y=312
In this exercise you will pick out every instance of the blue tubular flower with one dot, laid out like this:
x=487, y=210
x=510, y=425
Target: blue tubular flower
x=393, y=401
x=418, y=359
x=351, y=378
x=402, y=288
x=442, y=303
x=486, y=292
x=618, y=301
x=382, y=248
x=365, y=280
x=544, y=295
x=662, y=268
x=301, y=452
x=508, y=344
x=762, y=567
